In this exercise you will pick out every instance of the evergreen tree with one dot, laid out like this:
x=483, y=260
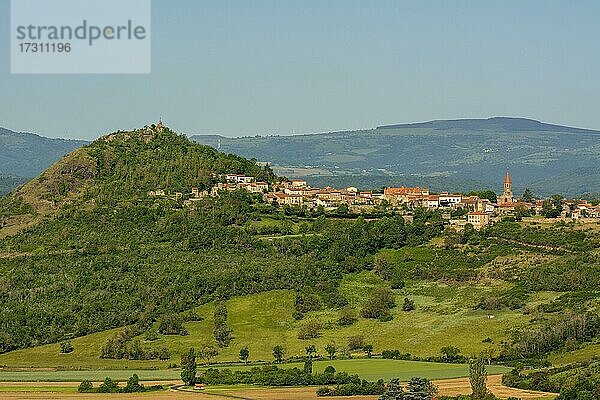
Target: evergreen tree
x=278, y=352
x=308, y=366
x=420, y=389
x=393, y=391
x=244, y=354
x=409, y=305
x=331, y=350
x=478, y=378
x=528, y=196
x=188, y=365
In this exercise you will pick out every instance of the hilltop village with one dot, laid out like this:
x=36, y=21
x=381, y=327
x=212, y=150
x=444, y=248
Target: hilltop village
x=458, y=209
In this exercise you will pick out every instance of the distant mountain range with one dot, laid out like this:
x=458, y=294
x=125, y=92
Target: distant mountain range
x=455, y=155
x=25, y=155
x=459, y=155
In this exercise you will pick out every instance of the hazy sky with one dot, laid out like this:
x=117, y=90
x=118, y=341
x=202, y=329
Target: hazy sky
x=276, y=67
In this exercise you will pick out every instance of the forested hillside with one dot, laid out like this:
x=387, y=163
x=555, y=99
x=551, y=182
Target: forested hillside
x=104, y=254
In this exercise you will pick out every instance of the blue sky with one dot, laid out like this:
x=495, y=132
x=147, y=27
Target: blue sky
x=277, y=67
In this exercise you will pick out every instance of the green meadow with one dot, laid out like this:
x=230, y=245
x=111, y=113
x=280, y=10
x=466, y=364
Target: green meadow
x=370, y=369
x=445, y=315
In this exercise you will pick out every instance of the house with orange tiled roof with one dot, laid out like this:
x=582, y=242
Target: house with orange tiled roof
x=403, y=194
x=431, y=201
x=478, y=219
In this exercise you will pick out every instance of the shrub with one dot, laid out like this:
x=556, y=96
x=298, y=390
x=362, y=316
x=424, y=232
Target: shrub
x=356, y=342
x=347, y=317
x=409, y=305
x=85, y=387
x=310, y=330
x=108, y=386
x=379, y=303
x=66, y=347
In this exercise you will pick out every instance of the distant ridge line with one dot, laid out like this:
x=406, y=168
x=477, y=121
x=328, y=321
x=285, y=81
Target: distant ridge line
x=502, y=123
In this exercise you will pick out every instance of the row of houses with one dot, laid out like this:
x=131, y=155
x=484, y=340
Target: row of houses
x=299, y=193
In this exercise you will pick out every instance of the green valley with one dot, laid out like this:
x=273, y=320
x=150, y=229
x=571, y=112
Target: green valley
x=99, y=274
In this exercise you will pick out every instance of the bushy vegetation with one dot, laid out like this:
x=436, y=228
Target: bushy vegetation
x=221, y=330
x=271, y=375
x=109, y=386
x=149, y=263
x=128, y=167
x=364, y=388
x=572, y=381
x=552, y=334
x=417, y=389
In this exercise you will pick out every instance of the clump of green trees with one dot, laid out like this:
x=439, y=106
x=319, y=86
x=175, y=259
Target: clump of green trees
x=416, y=389
x=552, y=334
x=271, y=375
x=110, y=386
x=221, y=330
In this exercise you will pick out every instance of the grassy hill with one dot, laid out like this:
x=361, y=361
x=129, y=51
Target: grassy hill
x=458, y=155
x=444, y=317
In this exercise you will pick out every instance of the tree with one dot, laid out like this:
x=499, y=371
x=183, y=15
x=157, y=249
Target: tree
x=85, y=387
x=108, y=386
x=308, y=366
x=311, y=350
x=420, y=389
x=164, y=353
x=331, y=350
x=347, y=317
x=409, y=305
x=133, y=385
x=450, y=353
x=393, y=391
x=528, y=196
x=207, y=352
x=188, y=367
x=221, y=331
x=379, y=303
x=244, y=354
x=66, y=347
x=356, y=342
x=382, y=267
x=278, y=353
x=478, y=377
x=342, y=209
x=310, y=330
x=368, y=348
x=485, y=194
